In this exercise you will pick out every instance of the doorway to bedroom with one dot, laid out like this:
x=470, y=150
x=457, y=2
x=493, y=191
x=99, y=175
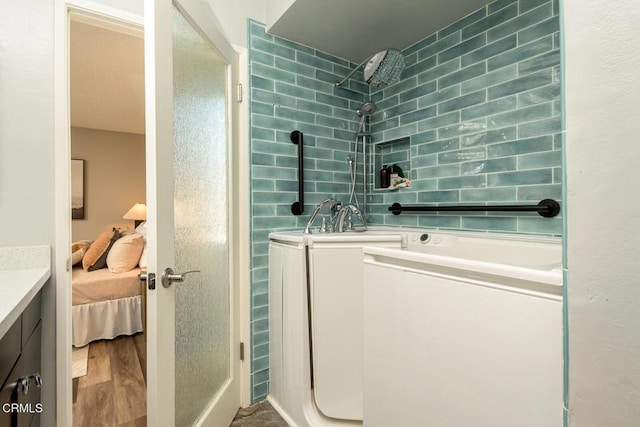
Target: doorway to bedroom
x=107, y=138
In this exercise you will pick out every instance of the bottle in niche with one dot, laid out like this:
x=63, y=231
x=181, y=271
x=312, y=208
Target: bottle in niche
x=393, y=173
x=384, y=177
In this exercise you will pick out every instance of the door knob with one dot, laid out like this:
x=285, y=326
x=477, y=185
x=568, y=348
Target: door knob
x=168, y=276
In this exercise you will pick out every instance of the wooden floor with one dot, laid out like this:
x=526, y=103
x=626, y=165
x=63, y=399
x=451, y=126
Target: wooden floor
x=113, y=393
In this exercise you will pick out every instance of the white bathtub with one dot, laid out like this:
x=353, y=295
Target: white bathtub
x=460, y=328
x=315, y=325
x=358, y=312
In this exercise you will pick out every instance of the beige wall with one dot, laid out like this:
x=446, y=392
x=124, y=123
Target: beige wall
x=114, y=167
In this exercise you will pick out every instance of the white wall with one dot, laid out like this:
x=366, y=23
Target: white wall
x=26, y=123
x=275, y=9
x=135, y=7
x=114, y=165
x=232, y=17
x=603, y=211
x=26, y=149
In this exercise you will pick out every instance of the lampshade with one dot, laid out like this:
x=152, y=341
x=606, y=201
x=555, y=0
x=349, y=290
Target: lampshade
x=138, y=212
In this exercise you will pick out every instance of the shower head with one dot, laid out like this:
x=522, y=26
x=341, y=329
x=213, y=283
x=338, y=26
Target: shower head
x=381, y=69
x=384, y=68
x=367, y=109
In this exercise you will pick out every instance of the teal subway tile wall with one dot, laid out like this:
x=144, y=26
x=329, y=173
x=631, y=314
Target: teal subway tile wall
x=475, y=119
x=292, y=88
x=480, y=106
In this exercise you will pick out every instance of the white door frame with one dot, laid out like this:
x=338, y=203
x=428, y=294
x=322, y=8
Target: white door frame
x=62, y=194
x=62, y=143
x=244, y=233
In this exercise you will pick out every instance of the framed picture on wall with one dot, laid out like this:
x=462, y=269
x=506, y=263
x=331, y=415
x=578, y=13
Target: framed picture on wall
x=77, y=189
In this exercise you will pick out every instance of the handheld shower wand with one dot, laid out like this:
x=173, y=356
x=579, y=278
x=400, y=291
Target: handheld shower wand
x=366, y=110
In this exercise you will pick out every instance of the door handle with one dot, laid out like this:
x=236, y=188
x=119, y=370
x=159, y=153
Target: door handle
x=168, y=276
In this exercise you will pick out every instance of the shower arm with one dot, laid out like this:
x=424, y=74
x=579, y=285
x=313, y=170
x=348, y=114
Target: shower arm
x=341, y=82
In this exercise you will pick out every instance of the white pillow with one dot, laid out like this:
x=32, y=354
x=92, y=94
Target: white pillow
x=143, y=258
x=125, y=253
x=142, y=229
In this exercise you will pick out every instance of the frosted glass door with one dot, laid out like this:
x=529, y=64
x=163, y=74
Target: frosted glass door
x=193, y=339
x=200, y=220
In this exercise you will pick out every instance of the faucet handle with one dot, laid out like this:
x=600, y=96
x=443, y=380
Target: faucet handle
x=323, y=225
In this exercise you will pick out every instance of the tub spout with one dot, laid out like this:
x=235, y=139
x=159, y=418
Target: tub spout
x=346, y=212
x=330, y=203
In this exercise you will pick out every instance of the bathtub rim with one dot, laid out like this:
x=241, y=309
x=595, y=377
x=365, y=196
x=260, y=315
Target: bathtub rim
x=296, y=235
x=549, y=276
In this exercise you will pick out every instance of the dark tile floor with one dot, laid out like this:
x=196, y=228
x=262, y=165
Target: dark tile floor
x=259, y=415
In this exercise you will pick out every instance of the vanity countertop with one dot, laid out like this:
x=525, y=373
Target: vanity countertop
x=23, y=272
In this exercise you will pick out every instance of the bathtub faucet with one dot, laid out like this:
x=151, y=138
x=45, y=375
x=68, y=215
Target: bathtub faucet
x=344, y=219
x=335, y=207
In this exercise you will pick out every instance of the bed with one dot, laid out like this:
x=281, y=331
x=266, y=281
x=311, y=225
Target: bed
x=105, y=304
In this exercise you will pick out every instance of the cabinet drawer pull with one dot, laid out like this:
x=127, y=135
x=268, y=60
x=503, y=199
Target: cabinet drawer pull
x=23, y=385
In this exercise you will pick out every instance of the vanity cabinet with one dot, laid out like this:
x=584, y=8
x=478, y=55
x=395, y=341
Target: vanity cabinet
x=20, y=365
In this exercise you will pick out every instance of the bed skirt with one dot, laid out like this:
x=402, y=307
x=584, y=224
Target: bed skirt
x=106, y=320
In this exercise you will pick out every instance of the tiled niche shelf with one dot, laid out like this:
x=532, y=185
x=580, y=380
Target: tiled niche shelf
x=387, y=153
